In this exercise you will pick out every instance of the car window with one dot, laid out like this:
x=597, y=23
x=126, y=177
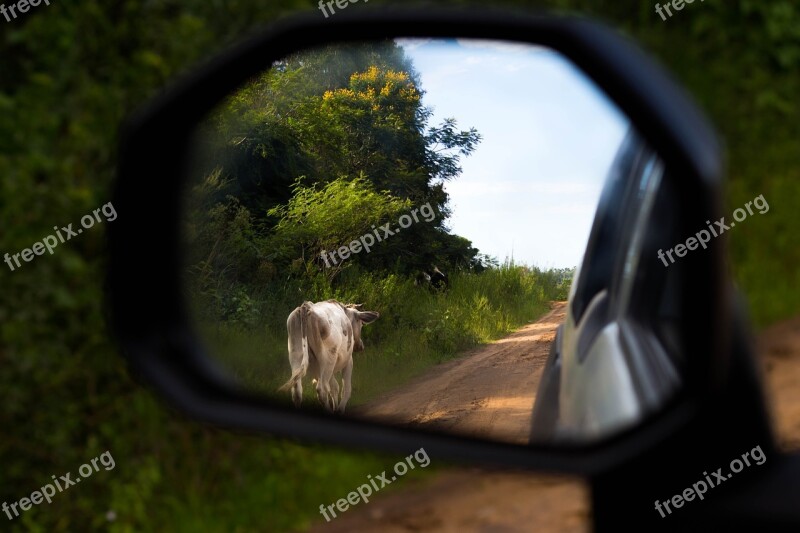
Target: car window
x=644, y=187
x=654, y=297
x=607, y=236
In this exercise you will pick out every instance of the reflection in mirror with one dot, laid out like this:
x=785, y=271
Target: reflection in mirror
x=391, y=230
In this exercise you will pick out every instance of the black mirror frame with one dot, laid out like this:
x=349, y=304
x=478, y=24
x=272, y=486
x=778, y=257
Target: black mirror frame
x=149, y=316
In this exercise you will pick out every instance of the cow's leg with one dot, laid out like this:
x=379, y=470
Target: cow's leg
x=297, y=393
x=324, y=382
x=347, y=375
x=334, y=385
x=297, y=387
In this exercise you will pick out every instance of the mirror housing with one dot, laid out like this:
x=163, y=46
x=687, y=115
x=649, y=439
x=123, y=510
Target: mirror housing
x=150, y=316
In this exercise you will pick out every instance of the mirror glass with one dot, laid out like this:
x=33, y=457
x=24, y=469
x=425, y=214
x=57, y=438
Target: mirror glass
x=447, y=234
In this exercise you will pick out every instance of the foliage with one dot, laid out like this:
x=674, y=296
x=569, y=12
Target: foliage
x=318, y=221
x=69, y=74
x=417, y=328
x=298, y=124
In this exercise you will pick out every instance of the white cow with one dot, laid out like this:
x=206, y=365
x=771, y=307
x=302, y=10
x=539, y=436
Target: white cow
x=322, y=337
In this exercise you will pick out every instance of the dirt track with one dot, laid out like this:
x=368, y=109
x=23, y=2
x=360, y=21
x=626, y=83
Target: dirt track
x=473, y=500
x=489, y=392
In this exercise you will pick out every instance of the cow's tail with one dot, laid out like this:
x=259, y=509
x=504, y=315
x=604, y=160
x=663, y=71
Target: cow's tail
x=298, y=374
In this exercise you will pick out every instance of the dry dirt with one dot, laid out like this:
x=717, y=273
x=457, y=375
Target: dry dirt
x=778, y=347
x=473, y=500
x=489, y=392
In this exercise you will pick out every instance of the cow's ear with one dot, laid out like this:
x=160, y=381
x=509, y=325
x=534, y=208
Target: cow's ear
x=368, y=316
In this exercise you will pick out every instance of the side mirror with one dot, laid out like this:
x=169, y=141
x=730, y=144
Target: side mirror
x=248, y=186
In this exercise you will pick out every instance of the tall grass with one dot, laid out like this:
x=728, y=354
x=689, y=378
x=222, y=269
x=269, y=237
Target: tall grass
x=418, y=328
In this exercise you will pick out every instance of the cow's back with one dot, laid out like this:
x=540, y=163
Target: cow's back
x=330, y=331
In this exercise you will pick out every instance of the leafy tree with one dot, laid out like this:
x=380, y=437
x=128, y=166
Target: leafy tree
x=286, y=125
x=318, y=221
x=259, y=135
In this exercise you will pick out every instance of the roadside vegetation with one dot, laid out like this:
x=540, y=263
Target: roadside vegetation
x=319, y=152
x=71, y=73
x=418, y=327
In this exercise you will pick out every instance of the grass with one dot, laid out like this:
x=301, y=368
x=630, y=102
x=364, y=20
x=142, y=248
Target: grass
x=417, y=329
x=764, y=251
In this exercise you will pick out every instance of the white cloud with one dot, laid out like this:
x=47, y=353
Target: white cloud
x=490, y=187
x=507, y=47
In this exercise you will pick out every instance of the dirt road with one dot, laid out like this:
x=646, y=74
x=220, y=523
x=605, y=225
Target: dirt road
x=473, y=500
x=779, y=349
x=489, y=392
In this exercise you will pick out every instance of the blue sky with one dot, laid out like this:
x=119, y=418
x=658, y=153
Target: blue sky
x=549, y=136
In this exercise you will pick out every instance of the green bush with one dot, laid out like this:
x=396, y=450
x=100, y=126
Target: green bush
x=418, y=327
x=72, y=71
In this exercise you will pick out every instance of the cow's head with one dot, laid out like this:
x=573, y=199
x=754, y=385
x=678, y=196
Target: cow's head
x=358, y=319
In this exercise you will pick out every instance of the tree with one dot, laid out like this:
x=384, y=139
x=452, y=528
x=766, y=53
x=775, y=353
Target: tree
x=317, y=221
x=305, y=118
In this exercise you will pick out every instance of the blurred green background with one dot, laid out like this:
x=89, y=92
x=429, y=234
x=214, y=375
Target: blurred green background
x=70, y=72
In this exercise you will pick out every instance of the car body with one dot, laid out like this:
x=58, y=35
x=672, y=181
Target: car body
x=607, y=367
